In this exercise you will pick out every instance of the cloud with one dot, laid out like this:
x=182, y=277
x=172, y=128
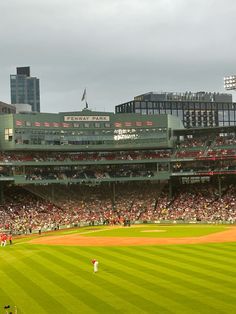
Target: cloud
x=117, y=48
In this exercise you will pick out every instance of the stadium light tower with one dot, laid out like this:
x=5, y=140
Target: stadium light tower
x=230, y=82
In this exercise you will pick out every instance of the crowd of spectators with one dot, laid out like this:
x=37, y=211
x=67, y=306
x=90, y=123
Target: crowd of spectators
x=88, y=173
x=82, y=156
x=222, y=153
x=23, y=212
x=193, y=142
x=208, y=147
x=194, y=166
x=202, y=202
x=197, y=147
x=75, y=205
x=226, y=140
x=189, y=153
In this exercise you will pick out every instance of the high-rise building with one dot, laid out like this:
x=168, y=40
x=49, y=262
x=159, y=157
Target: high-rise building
x=25, y=89
x=200, y=109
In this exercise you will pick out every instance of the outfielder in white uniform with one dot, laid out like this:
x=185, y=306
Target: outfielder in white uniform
x=95, y=265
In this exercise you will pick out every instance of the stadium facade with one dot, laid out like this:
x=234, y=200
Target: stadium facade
x=90, y=147
x=85, y=140
x=78, y=168
x=6, y=108
x=200, y=109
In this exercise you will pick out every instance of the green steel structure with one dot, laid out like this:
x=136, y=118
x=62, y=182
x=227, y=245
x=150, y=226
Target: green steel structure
x=90, y=147
x=85, y=131
x=74, y=147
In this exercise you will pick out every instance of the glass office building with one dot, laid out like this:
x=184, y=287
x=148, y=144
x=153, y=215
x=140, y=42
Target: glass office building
x=199, y=109
x=25, y=89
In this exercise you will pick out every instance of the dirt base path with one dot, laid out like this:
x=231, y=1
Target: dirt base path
x=76, y=239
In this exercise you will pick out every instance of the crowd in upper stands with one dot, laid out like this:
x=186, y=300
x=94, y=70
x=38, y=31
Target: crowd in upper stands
x=83, y=156
x=24, y=212
x=189, y=146
x=200, y=147
x=88, y=173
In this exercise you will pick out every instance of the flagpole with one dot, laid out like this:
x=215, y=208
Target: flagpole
x=84, y=98
x=86, y=104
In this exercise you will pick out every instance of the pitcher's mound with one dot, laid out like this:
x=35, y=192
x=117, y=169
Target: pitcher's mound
x=156, y=230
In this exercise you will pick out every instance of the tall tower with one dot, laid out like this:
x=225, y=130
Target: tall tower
x=25, y=89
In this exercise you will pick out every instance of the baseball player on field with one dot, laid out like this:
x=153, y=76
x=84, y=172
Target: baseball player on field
x=95, y=265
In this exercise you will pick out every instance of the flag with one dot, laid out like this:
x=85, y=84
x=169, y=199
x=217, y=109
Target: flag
x=84, y=95
x=128, y=123
x=65, y=125
x=19, y=123
x=86, y=105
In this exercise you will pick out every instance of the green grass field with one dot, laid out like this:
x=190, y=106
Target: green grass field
x=138, y=279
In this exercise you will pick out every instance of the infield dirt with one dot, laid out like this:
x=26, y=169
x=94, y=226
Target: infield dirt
x=77, y=239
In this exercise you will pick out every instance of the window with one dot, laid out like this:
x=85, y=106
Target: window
x=8, y=135
x=107, y=125
x=86, y=125
x=97, y=125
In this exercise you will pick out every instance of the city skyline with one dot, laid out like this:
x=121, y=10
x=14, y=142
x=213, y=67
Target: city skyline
x=117, y=49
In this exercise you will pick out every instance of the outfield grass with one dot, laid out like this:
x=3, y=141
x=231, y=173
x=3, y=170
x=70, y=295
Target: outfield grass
x=150, y=279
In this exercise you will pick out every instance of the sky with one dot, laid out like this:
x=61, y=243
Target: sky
x=117, y=49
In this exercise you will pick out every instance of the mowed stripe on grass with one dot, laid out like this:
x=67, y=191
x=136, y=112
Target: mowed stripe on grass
x=150, y=279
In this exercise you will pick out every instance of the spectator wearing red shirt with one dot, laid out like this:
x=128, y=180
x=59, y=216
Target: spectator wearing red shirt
x=3, y=239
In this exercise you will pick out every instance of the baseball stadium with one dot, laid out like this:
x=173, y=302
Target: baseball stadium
x=150, y=202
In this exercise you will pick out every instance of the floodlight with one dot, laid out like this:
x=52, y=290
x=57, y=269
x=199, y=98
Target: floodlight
x=230, y=82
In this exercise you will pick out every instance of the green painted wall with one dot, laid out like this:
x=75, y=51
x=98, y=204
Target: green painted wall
x=106, y=131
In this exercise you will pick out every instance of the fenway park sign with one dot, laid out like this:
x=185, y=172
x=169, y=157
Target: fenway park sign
x=87, y=118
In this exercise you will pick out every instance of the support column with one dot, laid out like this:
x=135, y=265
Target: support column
x=1, y=193
x=219, y=186
x=52, y=193
x=113, y=193
x=170, y=190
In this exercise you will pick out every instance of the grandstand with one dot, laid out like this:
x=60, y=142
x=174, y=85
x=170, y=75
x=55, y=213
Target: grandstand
x=78, y=168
